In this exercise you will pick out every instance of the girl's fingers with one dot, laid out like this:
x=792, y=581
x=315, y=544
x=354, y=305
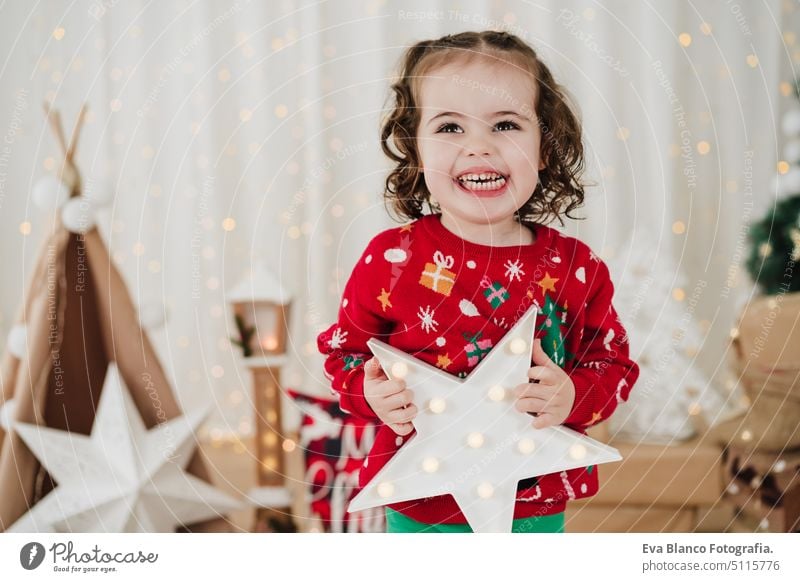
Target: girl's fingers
x=372, y=369
x=544, y=420
x=535, y=391
x=390, y=387
x=530, y=404
x=402, y=428
x=399, y=400
x=402, y=415
x=544, y=374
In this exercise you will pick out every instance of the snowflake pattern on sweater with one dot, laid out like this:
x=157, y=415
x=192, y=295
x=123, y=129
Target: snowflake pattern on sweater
x=447, y=301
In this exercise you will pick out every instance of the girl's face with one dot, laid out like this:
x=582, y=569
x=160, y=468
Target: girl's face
x=478, y=142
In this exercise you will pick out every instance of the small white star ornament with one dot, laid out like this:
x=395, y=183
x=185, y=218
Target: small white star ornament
x=122, y=478
x=470, y=441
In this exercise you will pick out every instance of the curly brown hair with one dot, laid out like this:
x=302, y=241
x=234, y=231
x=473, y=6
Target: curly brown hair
x=560, y=189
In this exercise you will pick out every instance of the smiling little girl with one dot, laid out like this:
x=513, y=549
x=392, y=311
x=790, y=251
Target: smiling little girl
x=487, y=151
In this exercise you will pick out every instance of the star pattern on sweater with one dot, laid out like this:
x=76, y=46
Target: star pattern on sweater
x=547, y=283
x=384, y=299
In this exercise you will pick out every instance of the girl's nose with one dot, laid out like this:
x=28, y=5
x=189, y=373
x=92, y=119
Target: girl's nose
x=479, y=145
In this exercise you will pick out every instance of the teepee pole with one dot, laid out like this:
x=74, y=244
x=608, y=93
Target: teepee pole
x=76, y=132
x=54, y=118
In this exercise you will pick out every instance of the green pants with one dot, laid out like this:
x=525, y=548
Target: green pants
x=399, y=523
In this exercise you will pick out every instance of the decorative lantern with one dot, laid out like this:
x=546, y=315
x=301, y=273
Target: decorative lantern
x=261, y=312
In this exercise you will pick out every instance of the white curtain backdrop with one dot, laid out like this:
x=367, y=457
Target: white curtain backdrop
x=243, y=131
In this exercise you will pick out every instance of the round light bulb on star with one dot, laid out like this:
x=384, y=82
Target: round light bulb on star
x=475, y=440
x=518, y=346
x=526, y=446
x=437, y=405
x=430, y=465
x=385, y=489
x=399, y=370
x=577, y=452
x=497, y=393
x=485, y=490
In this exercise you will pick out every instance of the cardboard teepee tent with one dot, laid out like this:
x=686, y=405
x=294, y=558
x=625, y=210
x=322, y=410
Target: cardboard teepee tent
x=78, y=317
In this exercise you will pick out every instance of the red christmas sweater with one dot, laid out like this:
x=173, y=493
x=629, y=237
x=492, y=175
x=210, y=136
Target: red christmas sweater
x=447, y=301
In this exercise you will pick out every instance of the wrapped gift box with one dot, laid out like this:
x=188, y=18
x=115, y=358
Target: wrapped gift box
x=677, y=475
x=767, y=361
x=655, y=488
x=587, y=518
x=764, y=489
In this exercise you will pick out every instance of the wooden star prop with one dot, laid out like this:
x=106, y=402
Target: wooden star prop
x=470, y=441
x=122, y=478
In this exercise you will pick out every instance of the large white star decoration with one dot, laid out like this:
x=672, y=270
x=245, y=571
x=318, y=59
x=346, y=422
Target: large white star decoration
x=470, y=441
x=122, y=478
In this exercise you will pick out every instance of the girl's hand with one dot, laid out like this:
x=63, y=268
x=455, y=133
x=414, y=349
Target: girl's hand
x=389, y=399
x=552, y=397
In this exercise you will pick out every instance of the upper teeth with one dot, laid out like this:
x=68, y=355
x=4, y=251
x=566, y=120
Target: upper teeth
x=488, y=176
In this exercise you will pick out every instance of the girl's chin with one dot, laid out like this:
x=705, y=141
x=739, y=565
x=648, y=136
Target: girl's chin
x=480, y=216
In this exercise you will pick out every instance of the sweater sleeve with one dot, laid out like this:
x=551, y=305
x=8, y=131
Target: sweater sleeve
x=604, y=372
x=344, y=344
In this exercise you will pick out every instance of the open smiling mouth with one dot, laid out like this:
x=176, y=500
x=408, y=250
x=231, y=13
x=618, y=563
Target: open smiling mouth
x=485, y=184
